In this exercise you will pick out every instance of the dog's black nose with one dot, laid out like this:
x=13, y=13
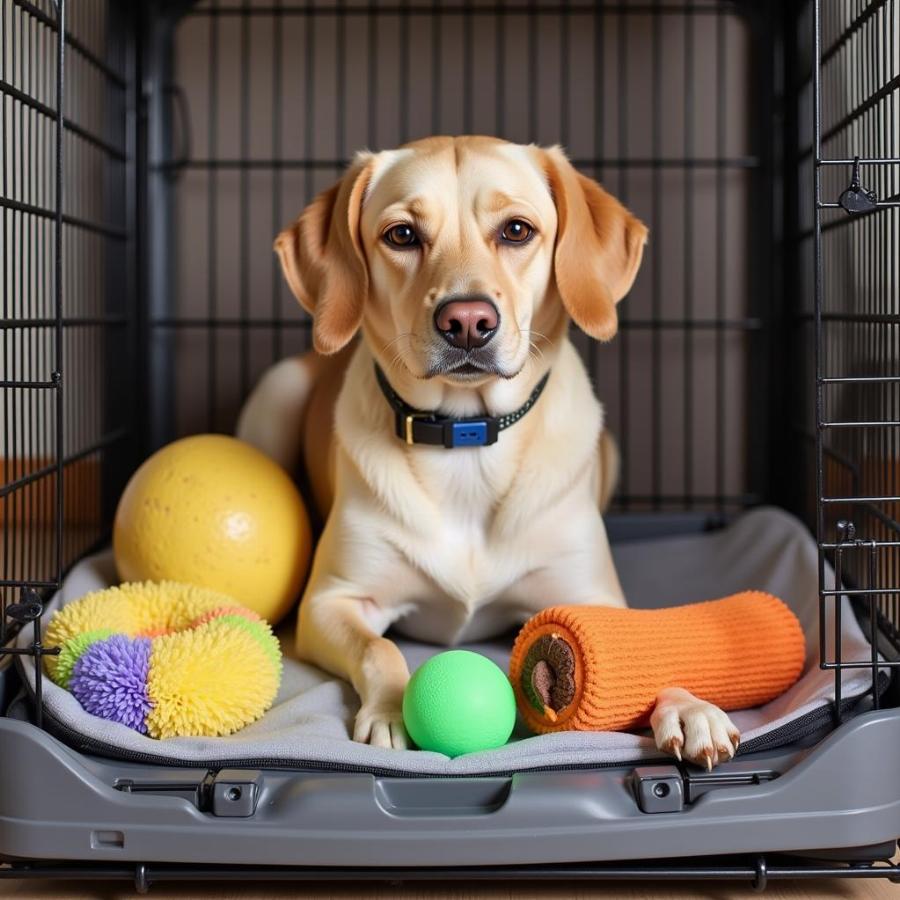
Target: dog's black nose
x=467, y=324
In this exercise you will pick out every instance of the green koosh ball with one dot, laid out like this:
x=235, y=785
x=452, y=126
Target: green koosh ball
x=459, y=702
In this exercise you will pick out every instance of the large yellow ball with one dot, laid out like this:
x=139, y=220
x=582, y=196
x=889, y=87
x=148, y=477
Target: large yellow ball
x=212, y=511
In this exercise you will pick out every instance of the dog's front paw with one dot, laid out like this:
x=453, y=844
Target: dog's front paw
x=380, y=723
x=693, y=729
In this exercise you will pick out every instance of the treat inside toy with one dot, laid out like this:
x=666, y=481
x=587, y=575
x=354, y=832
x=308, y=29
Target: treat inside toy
x=548, y=675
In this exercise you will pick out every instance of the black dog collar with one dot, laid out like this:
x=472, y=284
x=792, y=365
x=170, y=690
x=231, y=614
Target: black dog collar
x=417, y=427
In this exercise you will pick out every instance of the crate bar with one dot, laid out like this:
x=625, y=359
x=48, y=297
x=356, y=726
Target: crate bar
x=840, y=221
x=51, y=214
x=212, y=216
x=434, y=11
x=565, y=75
x=309, y=103
x=882, y=204
x=598, y=139
x=277, y=189
x=57, y=375
x=531, y=54
x=884, y=424
x=455, y=9
x=721, y=250
x=28, y=308
x=656, y=206
x=18, y=245
x=371, y=78
x=499, y=72
x=838, y=647
x=734, y=162
x=199, y=322
x=873, y=628
x=29, y=385
x=863, y=318
x=43, y=472
x=867, y=13
x=756, y=870
x=866, y=545
x=70, y=126
x=688, y=275
x=71, y=41
x=5, y=307
x=68, y=321
x=467, y=66
x=622, y=48
x=858, y=111
x=859, y=592
x=404, y=75
x=244, y=204
x=885, y=499
x=861, y=664
x=886, y=520
x=26, y=651
x=28, y=583
x=819, y=337
x=340, y=80
x=861, y=161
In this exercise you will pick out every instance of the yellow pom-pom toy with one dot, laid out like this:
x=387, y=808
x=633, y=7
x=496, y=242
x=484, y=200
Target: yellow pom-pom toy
x=166, y=659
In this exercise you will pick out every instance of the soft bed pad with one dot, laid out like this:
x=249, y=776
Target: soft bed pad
x=765, y=549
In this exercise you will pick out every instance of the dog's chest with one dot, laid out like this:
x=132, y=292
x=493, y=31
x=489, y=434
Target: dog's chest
x=464, y=570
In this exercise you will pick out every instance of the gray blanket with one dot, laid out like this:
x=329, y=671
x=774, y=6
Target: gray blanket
x=311, y=720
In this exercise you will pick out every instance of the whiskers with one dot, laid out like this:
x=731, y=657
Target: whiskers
x=445, y=360
x=534, y=351
x=397, y=359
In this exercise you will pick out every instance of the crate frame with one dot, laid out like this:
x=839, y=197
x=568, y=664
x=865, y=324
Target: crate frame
x=134, y=380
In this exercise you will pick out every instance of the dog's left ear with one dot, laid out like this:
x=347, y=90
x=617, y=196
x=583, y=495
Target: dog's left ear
x=599, y=245
x=323, y=260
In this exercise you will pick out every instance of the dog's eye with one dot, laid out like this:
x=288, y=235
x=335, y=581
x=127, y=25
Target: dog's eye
x=403, y=236
x=516, y=231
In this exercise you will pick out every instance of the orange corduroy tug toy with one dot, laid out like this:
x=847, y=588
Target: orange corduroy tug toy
x=600, y=668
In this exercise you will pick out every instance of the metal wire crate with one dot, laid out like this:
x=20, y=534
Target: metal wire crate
x=151, y=151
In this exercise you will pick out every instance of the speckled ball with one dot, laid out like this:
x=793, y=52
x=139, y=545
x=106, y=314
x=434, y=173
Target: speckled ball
x=213, y=511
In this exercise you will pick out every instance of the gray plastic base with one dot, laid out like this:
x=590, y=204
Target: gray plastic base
x=58, y=805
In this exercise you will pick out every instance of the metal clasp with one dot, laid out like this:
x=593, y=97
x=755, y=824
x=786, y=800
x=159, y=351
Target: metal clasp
x=408, y=428
x=857, y=199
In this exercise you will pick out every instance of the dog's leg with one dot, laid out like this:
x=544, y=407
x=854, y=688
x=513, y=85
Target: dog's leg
x=334, y=633
x=693, y=729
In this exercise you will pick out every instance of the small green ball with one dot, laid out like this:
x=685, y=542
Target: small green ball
x=459, y=702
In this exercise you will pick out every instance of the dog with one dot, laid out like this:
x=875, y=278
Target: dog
x=457, y=451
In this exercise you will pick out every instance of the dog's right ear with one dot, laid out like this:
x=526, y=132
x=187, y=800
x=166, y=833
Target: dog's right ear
x=323, y=260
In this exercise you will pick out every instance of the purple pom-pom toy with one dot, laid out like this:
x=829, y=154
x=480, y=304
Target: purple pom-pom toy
x=110, y=680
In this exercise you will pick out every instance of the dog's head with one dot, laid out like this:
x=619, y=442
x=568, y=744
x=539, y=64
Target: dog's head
x=457, y=256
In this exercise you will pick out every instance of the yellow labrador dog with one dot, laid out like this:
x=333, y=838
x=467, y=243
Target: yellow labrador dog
x=457, y=450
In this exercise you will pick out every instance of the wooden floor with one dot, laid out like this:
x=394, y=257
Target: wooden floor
x=825, y=889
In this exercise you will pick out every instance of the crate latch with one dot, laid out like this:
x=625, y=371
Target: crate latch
x=664, y=789
x=230, y=793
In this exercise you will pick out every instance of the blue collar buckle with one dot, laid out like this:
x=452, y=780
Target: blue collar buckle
x=414, y=426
